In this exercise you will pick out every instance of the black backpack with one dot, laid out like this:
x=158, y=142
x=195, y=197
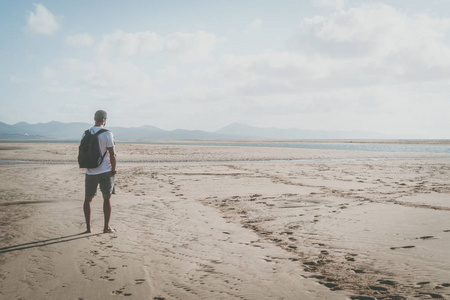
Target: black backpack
x=89, y=155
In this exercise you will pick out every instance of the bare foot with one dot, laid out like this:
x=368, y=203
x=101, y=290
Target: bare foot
x=109, y=230
x=89, y=229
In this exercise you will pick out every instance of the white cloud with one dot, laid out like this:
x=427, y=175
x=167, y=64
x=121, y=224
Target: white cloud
x=191, y=47
x=273, y=72
x=114, y=76
x=338, y=4
x=131, y=44
x=42, y=21
x=80, y=40
x=186, y=47
x=376, y=42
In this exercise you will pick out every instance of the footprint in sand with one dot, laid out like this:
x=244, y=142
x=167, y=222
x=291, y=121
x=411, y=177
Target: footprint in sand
x=107, y=278
x=357, y=271
x=91, y=263
x=426, y=237
x=387, y=282
x=435, y=296
x=349, y=258
x=121, y=292
x=404, y=247
x=332, y=286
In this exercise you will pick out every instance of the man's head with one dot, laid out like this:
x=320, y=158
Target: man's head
x=100, y=116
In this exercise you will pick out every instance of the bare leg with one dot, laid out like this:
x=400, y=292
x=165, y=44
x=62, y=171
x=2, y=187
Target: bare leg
x=87, y=213
x=107, y=212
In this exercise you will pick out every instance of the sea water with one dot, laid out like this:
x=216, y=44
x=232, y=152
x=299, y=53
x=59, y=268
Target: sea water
x=317, y=145
x=330, y=145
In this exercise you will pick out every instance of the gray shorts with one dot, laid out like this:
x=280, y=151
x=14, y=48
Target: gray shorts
x=106, y=181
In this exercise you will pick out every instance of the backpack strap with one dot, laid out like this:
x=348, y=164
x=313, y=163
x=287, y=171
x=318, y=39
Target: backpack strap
x=97, y=133
x=101, y=131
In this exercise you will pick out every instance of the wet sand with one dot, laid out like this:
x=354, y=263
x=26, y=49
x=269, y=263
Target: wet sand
x=237, y=227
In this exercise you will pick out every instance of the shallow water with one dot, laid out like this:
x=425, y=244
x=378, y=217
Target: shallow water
x=328, y=145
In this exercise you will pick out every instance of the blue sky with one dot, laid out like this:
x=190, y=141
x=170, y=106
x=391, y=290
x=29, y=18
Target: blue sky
x=380, y=66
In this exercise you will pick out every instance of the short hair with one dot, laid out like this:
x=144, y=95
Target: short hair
x=100, y=115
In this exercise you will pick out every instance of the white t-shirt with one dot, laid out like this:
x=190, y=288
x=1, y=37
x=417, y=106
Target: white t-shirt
x=106, y=140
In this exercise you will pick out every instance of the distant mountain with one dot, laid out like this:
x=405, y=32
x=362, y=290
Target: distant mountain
x=16, y=132
x=138, y=133
x=58, y=130
x=53, y=130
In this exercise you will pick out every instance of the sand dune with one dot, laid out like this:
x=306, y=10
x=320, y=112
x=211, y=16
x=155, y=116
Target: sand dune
x=362, y=229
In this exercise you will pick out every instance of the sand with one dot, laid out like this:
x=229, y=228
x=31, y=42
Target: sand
x=209, y=222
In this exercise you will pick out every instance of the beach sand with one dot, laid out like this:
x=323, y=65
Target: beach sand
x=217, y=222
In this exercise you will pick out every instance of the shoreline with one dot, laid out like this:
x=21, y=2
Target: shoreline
x=6, y=162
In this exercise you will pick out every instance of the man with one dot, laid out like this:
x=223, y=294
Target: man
x=103, y=175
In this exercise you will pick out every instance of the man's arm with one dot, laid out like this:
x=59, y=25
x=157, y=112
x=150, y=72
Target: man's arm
x=112, y=159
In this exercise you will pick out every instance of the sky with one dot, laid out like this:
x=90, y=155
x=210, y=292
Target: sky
x=380, y=66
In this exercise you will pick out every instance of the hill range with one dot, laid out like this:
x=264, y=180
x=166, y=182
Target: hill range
x=59, y=130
